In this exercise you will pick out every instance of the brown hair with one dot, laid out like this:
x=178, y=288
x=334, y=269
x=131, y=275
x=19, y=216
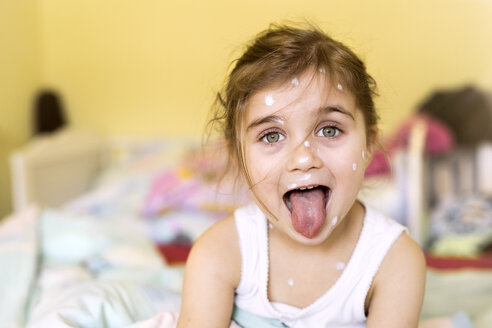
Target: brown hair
x=280, y=53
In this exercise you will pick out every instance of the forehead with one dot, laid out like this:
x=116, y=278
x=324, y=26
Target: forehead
x=308, y=92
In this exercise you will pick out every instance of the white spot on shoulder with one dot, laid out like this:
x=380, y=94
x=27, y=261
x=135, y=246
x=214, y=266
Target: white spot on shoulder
x=290, y=282
x=339, y=87
x=269, y=101
x=340, y=266
x=354, y=166
x=306, y=143
x=295, y=81
x=335, y=220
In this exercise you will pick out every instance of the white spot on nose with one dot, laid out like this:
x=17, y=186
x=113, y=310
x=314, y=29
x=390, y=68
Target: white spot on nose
x=354, y=166
x=303, y=160
x=295, y=81
x=269, y=101
x=306, y=143
x=339, y=87
x=335, y=220
x=290, y=282
x=340, y=266
x=363, y=155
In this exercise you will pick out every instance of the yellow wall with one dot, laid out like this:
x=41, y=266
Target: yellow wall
x=152, y=66
x=19, y=63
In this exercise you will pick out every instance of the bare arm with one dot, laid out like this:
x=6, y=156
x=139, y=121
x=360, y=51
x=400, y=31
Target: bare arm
x=212, y=273
x=398, y=290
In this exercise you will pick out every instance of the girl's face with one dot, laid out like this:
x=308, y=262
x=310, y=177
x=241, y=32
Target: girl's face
x=305, y=153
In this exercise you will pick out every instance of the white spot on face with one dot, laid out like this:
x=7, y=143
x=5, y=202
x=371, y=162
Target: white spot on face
x=335, y=220
x=279, y=121
x=290, y=282
x=306, y=176
x=292, y=186
x=354, y=166
x=269, y=101
x=363, y=155
x=340, y=266
x=295, y=81
x=339, y=87
x=322, y=70
x=303, y=160
x=306, y=143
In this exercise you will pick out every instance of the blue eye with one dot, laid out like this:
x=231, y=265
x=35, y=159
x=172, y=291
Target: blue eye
x=272, y=137
x=329, y=132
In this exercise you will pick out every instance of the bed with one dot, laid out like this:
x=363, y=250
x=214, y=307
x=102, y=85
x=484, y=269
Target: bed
x=102, y=227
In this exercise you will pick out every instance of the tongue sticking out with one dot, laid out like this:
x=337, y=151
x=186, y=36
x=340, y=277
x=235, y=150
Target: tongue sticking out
x=308, y=211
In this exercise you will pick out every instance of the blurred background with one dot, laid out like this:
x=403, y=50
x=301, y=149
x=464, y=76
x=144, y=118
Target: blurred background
x=152, y=67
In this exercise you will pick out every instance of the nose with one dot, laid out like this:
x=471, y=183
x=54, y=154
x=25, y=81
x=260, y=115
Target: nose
x=304, y=158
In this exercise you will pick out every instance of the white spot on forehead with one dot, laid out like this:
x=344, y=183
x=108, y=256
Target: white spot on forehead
x=306, y=143
x=270, y=226
x=339, y=87
x=335, y=220
x=292, y=186
x=269, y=101
x=322, y=70
x=354, y=166
x=290, y=282
x=340, y=266
x=295, y=81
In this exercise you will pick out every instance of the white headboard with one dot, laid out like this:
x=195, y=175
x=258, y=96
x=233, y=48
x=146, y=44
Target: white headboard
x=55, y=168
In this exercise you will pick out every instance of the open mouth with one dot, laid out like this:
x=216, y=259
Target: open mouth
x=322, y=191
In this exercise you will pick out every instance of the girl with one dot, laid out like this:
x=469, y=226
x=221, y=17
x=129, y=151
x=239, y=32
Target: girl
x=299, y=120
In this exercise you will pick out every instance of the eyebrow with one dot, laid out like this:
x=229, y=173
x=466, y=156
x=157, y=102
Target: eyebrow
x=338, y=109
x=276, y=119
x=264, y=120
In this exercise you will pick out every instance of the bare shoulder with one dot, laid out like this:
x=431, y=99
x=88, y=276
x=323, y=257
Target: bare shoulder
x=397, y=293
x=212, y=273
x=218, y=248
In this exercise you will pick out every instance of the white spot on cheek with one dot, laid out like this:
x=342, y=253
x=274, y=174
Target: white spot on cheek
x=290, y=282
x=354, y=166
x=269, y=101
x=340, y=266
x=335, y=220
x=339, y=87
x=295, y=81
x=303, y=160
x=306, y=143
x=292, y=186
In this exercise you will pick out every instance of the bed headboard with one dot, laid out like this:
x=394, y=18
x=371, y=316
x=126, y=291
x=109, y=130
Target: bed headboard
x=55, y=168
